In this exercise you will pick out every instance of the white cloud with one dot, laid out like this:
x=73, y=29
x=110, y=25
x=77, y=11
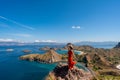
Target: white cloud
x=22, y=35
x=48, y=41
x=7, y=40
x=75, y=27
x=21, y=25
x=10, y=40
x=37, y=40
x=45, y=41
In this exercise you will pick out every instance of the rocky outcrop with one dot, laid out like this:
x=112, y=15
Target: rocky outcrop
x=49, y=57
x=117, y=46
x=45, y=48
x=61, y=72
x=27, y=51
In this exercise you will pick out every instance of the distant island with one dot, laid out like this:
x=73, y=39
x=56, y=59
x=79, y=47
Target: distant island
x=10, y=43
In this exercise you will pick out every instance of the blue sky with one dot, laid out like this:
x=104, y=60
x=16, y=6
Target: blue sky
x=60, y=20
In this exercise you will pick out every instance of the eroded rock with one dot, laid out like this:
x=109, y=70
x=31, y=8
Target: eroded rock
x=61, y=72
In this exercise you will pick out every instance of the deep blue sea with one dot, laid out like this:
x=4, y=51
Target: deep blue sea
x=11, y=68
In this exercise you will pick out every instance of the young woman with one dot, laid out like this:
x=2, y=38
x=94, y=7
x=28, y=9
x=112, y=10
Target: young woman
x=71, y=54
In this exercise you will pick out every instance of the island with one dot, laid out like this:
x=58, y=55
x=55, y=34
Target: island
x=49, y=57
x=102, y=63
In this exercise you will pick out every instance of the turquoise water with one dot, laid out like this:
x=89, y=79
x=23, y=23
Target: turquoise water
x=65, y=51
x=11, y=68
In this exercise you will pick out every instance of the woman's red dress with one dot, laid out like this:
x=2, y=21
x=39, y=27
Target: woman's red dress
x=71, y=63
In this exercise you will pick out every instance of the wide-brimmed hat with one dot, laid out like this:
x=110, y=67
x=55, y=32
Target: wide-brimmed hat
x=70, y=45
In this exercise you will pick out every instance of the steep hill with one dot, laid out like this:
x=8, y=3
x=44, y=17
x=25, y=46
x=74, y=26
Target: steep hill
x=49, y=57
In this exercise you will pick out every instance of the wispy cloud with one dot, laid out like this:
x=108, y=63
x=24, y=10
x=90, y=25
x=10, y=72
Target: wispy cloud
x=76, y=27
x=10, y=40
x=45, y=41
x=21, y=25
x=7, y=40
x=21, y=35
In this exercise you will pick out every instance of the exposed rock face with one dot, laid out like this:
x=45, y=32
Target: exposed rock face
x=117, y=46
x=49, y=57
x=110, y=72
x=52, y=56
x=97, y=60
x=61, y=72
